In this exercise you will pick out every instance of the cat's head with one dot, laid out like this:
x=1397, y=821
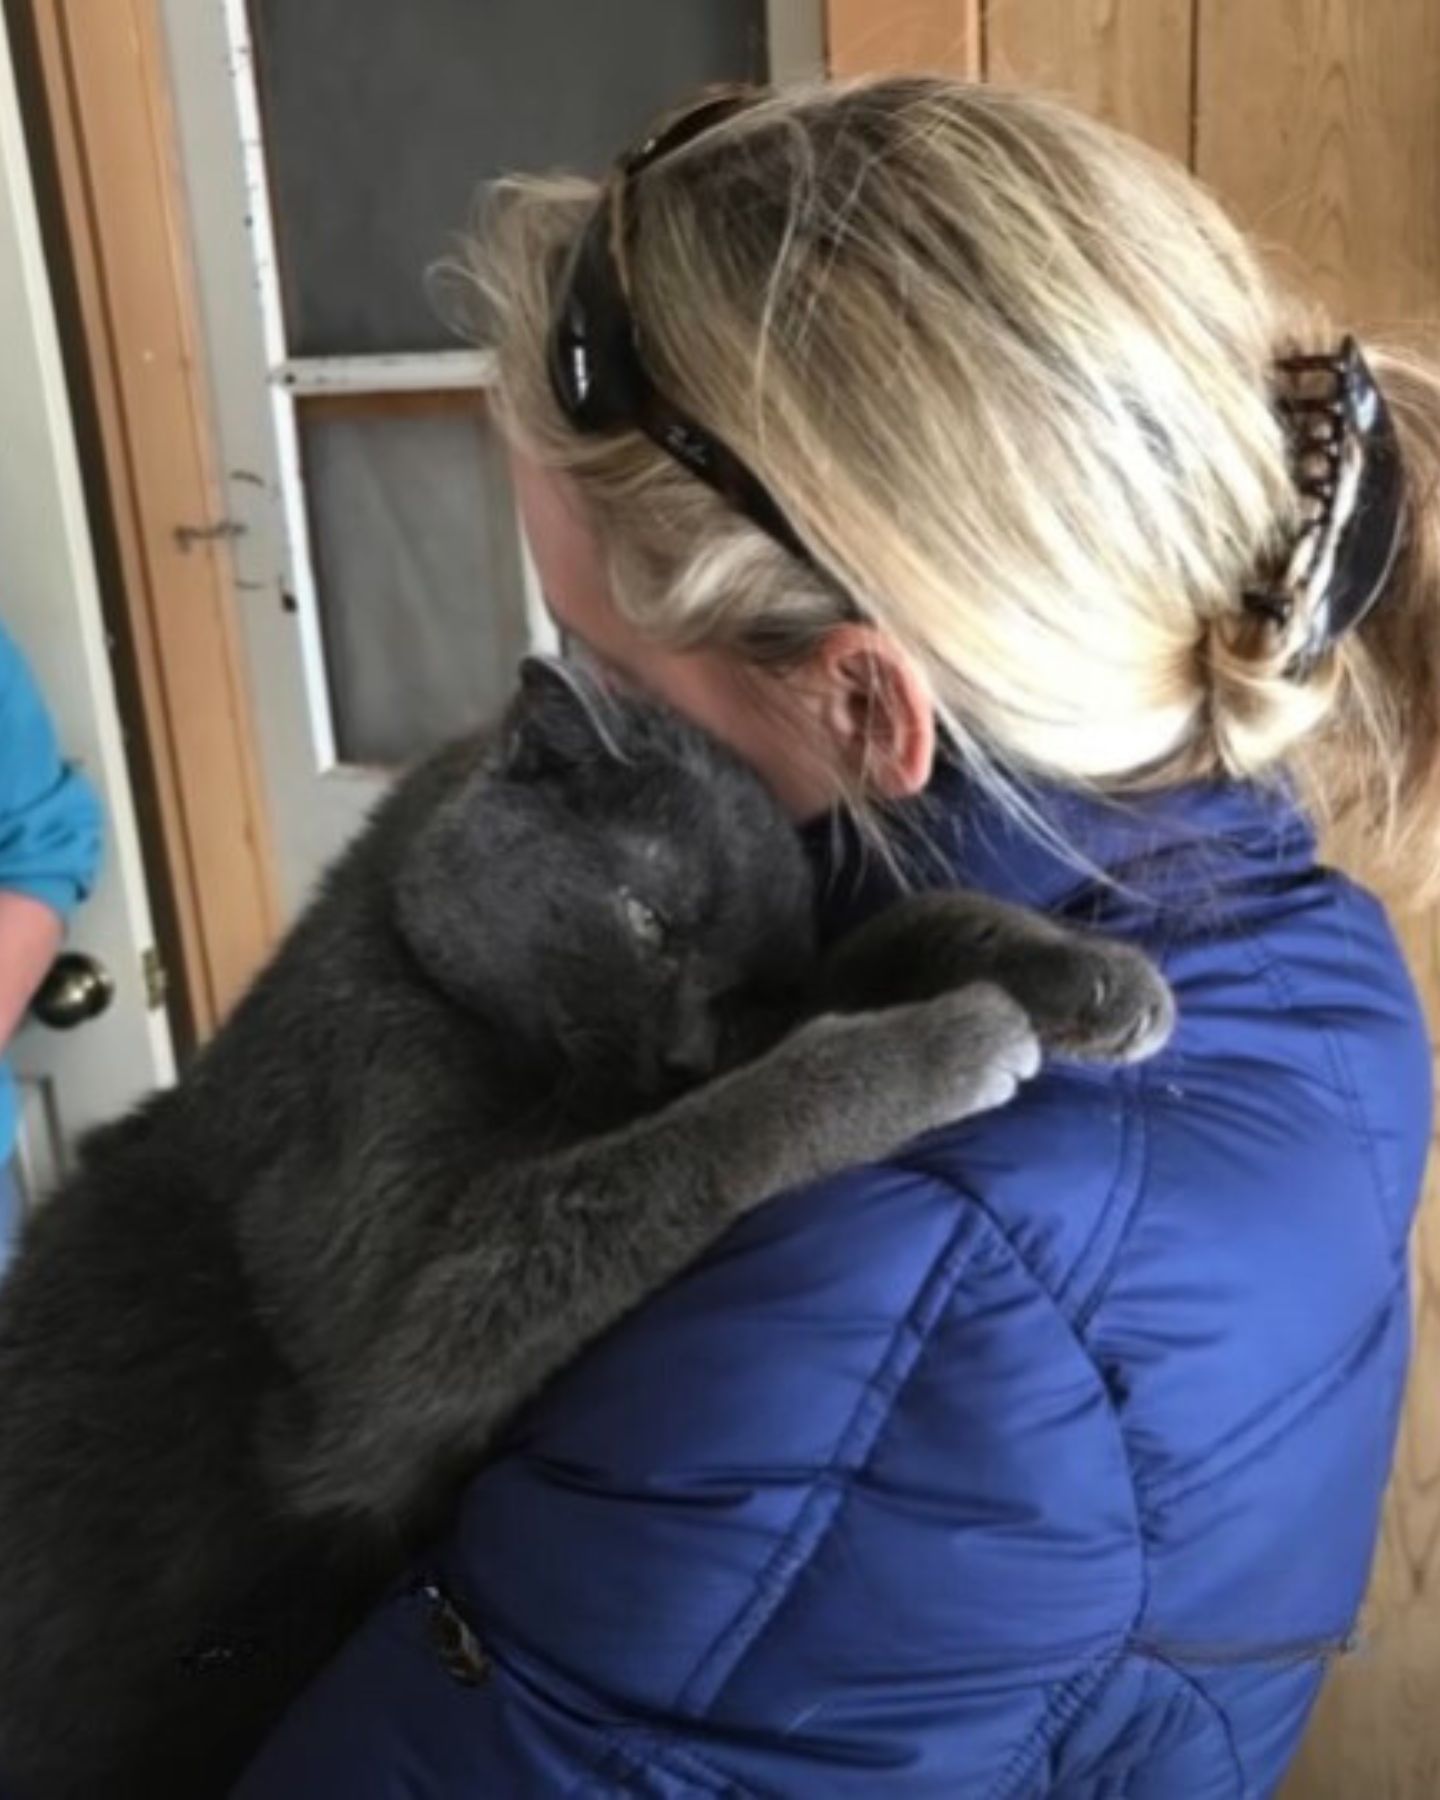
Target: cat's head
x=611, y=886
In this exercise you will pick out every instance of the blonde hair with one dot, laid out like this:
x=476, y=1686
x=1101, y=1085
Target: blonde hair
x=1006, y=372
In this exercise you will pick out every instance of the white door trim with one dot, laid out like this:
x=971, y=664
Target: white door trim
x=796, y=31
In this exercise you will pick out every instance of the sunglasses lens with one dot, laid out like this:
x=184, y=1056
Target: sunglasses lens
x=679, y=132
x=572, y=368
x=590, y=347
x=594, y=368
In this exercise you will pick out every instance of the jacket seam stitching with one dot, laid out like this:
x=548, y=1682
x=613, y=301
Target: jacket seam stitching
x=1202, y=1694
x=1273, y=972
x=1135, y=1085
x=1070, y=1706
x=1162, y=1494
x=1066, y=1706
x=1140, y=1123
x=640, y=1752
x=788, y=1559
x=1075, y=1693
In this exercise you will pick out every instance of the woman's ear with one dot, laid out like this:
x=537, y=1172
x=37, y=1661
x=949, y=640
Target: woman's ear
x=875, y=708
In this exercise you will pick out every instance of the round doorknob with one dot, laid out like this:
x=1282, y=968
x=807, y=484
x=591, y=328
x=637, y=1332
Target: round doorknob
x=77, y=988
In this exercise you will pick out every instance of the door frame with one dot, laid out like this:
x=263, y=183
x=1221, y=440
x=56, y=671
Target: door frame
x=102, y=131
x=73, y=1079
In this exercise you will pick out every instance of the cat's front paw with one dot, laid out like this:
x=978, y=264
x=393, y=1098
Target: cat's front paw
x=976, y=1047
x=1093, y=1000
x=856, y=1087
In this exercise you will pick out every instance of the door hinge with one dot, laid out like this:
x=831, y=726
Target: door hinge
x=156, y=978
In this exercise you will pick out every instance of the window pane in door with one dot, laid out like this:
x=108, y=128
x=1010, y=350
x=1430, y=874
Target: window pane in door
x=383, y=118
x=417, y=566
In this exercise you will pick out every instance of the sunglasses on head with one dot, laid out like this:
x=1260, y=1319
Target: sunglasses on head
x=596, y=367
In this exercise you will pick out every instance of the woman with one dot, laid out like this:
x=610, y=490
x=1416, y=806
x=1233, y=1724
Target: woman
x=1047, y=1460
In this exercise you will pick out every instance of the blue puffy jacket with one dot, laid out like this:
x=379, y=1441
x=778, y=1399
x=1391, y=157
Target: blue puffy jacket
x=1043, y=1460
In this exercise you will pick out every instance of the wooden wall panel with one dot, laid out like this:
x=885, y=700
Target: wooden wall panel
x=1319, y=125
x=1125, y=61
x=864, y=38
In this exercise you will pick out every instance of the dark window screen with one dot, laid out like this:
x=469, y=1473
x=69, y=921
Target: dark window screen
x=383, y=118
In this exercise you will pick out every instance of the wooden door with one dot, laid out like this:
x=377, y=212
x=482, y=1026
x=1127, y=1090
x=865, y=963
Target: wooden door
x=70, y=1080
x=1318, y=124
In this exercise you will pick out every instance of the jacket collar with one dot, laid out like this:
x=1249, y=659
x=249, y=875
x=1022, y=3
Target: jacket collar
x=1085, y=856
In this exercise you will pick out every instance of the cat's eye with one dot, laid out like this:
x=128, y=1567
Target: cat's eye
x=645, y=923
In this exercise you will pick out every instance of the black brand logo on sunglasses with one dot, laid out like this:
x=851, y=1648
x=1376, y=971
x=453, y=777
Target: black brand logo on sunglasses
x=688, y=445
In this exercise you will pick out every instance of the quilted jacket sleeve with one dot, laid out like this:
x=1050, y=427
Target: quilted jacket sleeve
x=843, y=1513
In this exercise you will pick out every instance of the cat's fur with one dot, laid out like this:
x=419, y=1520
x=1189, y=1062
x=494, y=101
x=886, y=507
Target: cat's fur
x=248, y=1353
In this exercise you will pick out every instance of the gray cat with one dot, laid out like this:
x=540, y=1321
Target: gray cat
x=552, y=1024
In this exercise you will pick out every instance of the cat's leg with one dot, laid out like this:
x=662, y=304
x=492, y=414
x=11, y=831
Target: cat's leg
x=1087, y=996
x=532, y=1262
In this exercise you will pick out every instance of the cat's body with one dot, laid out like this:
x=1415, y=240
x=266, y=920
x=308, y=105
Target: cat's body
x=248, y=1354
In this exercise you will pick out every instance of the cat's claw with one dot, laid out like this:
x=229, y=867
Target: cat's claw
x=1095, y=1001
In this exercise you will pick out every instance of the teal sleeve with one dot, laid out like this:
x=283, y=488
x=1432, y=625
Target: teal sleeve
x=49, y=814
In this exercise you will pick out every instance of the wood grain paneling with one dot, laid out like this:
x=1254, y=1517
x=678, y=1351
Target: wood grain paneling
x=864, y=38
x=1125, y=61
x=1318, y=123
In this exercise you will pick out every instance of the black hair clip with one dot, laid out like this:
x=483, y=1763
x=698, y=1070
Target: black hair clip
x=1346, y=459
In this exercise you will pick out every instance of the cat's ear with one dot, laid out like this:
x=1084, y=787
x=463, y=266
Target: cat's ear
x=561, y=719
